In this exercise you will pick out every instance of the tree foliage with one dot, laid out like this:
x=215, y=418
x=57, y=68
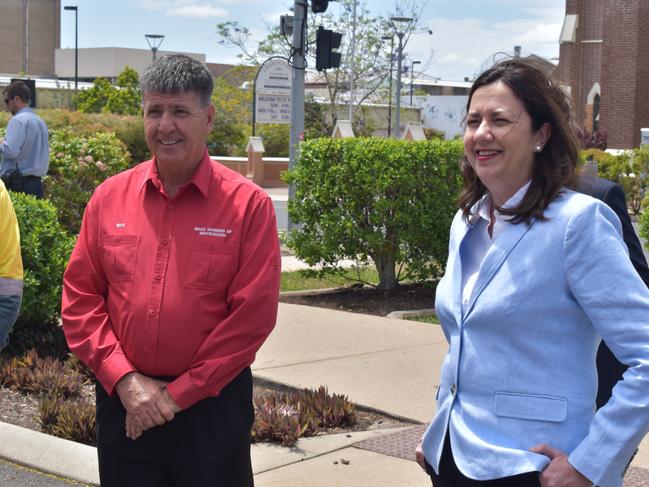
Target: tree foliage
x=367, y=67
x=122, y=98
x=382, y=201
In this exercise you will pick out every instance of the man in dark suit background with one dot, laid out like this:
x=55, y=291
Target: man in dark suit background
x=609, y=368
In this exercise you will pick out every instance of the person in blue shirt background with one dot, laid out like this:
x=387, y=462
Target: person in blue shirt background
x=25, y=150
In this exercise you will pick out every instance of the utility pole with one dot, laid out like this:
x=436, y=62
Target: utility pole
x=352, y=66
x=297, y=90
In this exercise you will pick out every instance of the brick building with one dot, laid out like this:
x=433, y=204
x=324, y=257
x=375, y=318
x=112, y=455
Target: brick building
x=29, y=33
x=604, y=49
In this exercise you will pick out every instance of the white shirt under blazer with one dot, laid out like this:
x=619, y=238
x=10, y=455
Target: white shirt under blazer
x=520, y=369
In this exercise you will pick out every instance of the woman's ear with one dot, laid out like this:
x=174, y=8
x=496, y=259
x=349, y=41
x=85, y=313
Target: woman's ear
x=543, y=134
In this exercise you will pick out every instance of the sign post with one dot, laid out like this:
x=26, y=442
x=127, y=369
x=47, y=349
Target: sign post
x=271, y=99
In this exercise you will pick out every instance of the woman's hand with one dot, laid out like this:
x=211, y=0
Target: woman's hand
x=559, y=473
x=419, y=456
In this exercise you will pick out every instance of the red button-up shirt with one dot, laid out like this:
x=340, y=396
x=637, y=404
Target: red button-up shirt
x=185, y=287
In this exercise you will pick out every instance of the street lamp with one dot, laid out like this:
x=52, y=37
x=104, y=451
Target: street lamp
x=391, y=39
x=399, y=24
x=412, y=78
x=76, y=43
x=154, y=41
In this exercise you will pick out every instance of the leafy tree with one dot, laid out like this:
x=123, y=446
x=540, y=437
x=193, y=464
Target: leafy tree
x=123, y=98
x=385, y=201
x=233, y=115
x=126, y=99
x=370, y=59
x=94, y=99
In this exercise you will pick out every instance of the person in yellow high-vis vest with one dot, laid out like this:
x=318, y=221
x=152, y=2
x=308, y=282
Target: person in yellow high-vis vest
x=11, y=267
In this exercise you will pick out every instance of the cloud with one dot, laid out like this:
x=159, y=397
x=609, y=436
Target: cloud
x=195, y=10
x=184, y=8
x=462, y=47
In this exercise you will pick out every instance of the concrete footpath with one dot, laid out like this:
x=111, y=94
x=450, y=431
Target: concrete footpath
x=386, y=364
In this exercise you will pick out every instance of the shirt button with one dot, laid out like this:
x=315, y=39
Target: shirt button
x=151, y=313
x=158, y=277
x=453, y=389
x=170, y=206
x=164, y=241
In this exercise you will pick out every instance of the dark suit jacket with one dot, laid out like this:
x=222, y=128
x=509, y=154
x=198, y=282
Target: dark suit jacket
x=609, y=369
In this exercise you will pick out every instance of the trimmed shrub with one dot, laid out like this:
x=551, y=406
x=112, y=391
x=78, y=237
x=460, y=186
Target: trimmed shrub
x=383, y=201
x=45, y=248
x=128, y=128
x=630, y=169
x=77, y=166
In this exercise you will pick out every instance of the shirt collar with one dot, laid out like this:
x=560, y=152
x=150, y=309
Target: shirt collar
x=482, y=209
x=201, y=178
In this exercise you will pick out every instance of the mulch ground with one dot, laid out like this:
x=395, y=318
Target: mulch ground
x=360, y=299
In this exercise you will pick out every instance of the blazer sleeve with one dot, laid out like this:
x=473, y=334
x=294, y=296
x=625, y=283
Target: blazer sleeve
x=616, y=301
x=614, y=198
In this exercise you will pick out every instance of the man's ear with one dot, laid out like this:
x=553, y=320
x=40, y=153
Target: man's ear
x=210, y=117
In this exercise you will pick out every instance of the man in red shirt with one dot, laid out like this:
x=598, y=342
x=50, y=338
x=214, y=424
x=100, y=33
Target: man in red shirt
x=170, y=291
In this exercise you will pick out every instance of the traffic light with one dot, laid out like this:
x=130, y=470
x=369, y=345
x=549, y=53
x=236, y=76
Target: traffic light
x=318, y=6
x=325, y=42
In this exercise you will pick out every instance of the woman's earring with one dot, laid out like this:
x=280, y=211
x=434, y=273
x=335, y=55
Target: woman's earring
x=538, y=148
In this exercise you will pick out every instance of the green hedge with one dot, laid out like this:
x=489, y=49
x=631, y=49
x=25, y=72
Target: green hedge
x=45, y=248
x=387, y=200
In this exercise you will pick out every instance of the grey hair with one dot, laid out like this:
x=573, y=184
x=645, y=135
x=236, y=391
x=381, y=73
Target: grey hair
x=177, y=73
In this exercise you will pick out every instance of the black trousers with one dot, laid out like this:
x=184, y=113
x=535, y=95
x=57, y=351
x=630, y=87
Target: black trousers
x=207, y=444
x=450, y=475
x=26, y=184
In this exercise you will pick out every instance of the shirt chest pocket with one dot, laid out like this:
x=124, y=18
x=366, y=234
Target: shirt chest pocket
x=119, y=256
x=210, y=265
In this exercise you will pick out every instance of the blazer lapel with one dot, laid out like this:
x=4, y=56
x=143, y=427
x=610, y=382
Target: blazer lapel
x=493, y=260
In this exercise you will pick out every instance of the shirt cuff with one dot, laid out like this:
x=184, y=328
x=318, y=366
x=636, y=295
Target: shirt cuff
x=184, y=392
x=113, y=369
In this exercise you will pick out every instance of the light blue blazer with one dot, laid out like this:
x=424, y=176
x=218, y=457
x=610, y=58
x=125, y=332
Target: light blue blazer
x=520, y=369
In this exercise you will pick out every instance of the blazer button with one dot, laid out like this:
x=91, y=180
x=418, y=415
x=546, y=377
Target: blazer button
x=453, y=389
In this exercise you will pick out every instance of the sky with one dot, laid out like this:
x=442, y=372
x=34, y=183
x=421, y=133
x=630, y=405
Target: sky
x=466, y=33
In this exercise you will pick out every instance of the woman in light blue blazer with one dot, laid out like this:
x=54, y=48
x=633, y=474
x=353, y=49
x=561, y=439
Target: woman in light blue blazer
x=536, y=276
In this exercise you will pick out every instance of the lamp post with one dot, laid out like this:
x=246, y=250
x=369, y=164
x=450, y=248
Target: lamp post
x=412, y=78
x=76, y=43
x=154, y=41
x=391, y=39
x=399, y=24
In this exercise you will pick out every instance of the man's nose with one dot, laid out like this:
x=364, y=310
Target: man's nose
x=167, y=123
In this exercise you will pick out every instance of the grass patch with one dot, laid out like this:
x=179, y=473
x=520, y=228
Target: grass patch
x=425, y=319
x=298, y=281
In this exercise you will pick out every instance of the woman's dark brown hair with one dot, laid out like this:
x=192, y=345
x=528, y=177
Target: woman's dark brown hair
x=555, y=165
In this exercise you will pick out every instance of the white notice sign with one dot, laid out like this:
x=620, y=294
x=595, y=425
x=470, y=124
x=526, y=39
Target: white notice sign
x=273, y=92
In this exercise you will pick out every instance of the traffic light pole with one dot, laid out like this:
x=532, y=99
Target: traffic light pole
x=297, y=90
